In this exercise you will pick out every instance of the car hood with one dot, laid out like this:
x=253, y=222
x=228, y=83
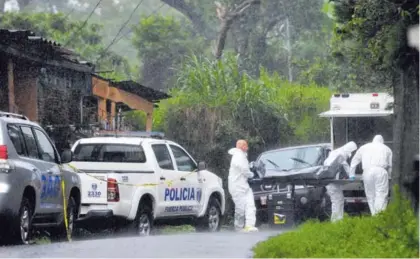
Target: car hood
x=293, y=172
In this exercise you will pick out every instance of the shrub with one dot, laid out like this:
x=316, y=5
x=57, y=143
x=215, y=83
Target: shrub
x=390, y=234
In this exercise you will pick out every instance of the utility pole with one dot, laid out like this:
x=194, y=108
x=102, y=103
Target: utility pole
x=289, y=50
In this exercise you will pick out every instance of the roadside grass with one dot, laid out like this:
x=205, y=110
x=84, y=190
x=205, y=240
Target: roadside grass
x=176, y=229
x=393, y=233
x=42, y=241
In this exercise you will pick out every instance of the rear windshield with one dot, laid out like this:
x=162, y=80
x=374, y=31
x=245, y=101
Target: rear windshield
x=362, y=130
x=115, y=153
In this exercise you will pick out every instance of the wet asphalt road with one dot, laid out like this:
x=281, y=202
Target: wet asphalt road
x=198, y=245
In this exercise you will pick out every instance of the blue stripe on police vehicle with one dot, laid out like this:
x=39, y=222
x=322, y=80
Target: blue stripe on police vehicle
x=50, y=186
x=180, y=194
x=183, y=194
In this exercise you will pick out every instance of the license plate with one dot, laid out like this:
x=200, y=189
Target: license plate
x=263, y=200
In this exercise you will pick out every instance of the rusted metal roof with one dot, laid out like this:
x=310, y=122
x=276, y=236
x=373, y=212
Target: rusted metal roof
x=133, y=87
x=26, y=44
x=145, y=92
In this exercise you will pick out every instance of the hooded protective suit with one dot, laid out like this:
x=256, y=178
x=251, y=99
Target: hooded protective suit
x=376, y=159
x=240, y=190
x=335, y=191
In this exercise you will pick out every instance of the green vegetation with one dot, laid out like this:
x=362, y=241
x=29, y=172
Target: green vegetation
x=42, y=240
x=393, y=233
x=177, y=229
x=214, y=103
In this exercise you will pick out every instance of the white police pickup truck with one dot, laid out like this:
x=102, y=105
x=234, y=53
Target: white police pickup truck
x=141, y=180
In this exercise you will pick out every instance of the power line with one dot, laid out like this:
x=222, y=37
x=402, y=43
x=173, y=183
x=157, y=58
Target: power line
x=121, y=28
x=68, y=14
x=115, y=40
x=154, y=12
x=84, y=23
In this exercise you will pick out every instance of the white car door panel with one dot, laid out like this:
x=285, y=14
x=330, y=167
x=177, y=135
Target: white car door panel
x=170, y=187
x=187, y=168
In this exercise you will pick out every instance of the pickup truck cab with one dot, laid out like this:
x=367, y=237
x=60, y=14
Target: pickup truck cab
x=144, y=180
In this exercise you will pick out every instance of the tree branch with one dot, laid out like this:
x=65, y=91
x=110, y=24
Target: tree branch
x=193, y=14
x=227, y=18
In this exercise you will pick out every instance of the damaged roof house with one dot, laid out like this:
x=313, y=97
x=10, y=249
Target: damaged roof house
x=40, y=79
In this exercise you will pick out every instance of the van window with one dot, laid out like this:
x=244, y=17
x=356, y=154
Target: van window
x=163, y=156
x=30, y=142
x=362, y=130
x=183, y=161
x=45, y=147
x=17, y=139
x=115, y=153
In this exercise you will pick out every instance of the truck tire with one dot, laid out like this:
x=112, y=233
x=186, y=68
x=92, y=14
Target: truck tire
x=143, y=223
x=211, y=221
x=21, y=232
x=60, y=233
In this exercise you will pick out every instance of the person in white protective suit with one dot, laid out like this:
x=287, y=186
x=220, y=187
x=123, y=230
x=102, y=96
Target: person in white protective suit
x=376, y=159
x=334, y=190
x=239, y=188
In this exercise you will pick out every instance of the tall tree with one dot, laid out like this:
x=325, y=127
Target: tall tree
x=377, y=31
x=162, y=42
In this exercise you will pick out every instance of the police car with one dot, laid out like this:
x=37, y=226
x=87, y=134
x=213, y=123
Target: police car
x=141, y=179
x=31, y=190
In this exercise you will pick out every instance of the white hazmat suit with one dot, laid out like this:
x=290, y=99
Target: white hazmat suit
x=240, y=190
x=376, y=159
x=334, y=190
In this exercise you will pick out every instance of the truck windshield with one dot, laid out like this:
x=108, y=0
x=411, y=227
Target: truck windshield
x=115, y=153
x=362, y=130
x=293, y=158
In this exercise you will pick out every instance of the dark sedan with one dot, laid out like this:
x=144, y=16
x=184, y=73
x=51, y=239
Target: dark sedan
x=310, y=201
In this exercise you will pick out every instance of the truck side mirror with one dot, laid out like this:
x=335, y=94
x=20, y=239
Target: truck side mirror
x=327, y=152
x=66, y=156
x=202, y=166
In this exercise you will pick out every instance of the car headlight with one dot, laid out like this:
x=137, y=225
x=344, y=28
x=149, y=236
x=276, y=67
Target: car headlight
x=303, y=200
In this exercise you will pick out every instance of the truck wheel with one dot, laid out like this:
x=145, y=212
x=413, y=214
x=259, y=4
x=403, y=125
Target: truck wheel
x=211, y=221
x=143, y=223
x=60, y=233
x=22, y=230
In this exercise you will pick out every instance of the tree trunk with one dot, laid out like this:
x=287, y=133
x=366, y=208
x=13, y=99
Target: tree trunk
x=2, y=5
x=194, y=15
x=221, y=39
x=22, y=4
x=406, y=127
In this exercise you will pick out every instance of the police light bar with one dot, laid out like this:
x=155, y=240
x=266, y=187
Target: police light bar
x=136, y=134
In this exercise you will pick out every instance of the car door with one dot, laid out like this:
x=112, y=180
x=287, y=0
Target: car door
x=187, y=167
x=169, y=201
x=50, y=161
x=27, y=165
